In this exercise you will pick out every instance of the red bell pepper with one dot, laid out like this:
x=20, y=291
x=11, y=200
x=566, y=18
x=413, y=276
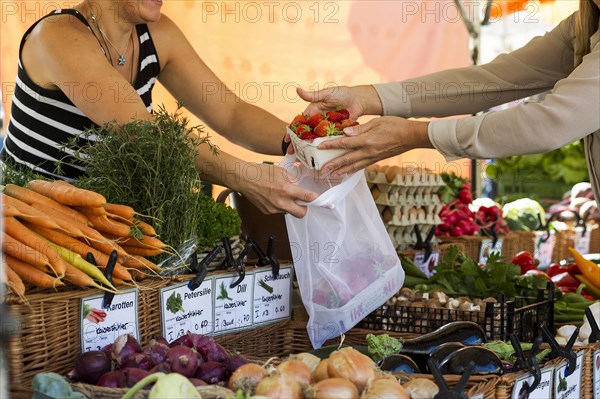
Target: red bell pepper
x=524, y=260
x=565, y=282
x=555, y=269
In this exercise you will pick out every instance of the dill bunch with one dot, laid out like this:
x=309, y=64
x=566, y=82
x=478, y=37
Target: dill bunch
x=150, y=166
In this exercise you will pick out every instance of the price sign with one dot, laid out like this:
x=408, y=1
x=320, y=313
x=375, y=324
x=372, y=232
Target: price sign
x=233, y=306
x=596, y=373
x=487, y=248
x=100, y=327
x=184, y=310
x=272, y=297
x=544, y=247
x=478, y=396
x=582, y=240
x=568, y=387
x=542, y=391
x=427, y=265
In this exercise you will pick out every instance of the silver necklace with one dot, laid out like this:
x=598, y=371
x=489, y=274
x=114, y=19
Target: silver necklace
x=121, y=60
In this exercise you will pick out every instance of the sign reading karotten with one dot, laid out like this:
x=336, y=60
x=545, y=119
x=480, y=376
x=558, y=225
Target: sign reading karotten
x=100, y=327
x=272, y=296
x=184, y=310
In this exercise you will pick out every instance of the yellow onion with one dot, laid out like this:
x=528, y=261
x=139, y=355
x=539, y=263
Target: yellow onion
x=421, y=388
x=309, y=359
x=352, y=365
x=279, y=386
x=332, y=388
x=384, y=389
x=320, y=373
x=246, y=377
x=297, y=370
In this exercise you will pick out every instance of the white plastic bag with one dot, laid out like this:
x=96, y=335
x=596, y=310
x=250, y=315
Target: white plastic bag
x=343, y=257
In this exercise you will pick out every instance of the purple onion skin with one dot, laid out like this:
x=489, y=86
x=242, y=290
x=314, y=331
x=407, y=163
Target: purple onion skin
x=185, y=340
x=161, y=340
x=108, y=350
x=211, y=372
x=156, y=350
x=112, y=379
x=234, y=362
x=183, y=360
x=138, y=360
x=90, y=366
x=163, y=367
x=124, y=346
x=217, y=353
x=197, y=382
x=133, y=375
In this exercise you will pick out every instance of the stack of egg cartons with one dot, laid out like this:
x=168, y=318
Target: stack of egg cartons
x=406, y=197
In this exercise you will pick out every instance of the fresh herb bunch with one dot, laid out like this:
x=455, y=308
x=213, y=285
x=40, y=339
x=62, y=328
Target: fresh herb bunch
x=13, y=173
x=150, y=166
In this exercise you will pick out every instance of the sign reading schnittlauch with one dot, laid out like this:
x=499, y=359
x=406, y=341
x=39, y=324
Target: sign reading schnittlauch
x=100, y=327
x=272, y=296
x=542, y=391
x=568, y=386
x=183, y=310
x=233, y=306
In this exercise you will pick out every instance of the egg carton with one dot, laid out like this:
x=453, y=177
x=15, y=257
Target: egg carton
x=410, y=215
x=404, y=237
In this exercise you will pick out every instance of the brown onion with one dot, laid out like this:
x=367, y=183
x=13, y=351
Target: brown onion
x=297, y=370
x=352, y=365
x=279, y=386
x=246, y=377
x=384, y=389
x=421, y=388
x=320, y=373
x=332, y=388
x=309, y=359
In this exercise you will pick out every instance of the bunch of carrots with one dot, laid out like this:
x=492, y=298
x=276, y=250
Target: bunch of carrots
x=51, y=227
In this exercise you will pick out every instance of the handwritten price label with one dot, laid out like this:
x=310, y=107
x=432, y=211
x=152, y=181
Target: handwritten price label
x=184, y=310
x=233, y=306
x=582, y=240
x=100, y=327
x=544, y=245
x=542, y=391
x=272, y=297
x=568, y=387
x=596, y=368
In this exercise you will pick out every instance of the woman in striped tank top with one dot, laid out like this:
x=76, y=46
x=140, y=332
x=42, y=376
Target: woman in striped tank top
x=98, y=62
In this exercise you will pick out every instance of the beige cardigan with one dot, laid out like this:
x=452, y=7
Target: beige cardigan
x=569, y=113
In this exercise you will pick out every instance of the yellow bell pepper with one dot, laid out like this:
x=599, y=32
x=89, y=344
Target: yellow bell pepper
x=589, y=269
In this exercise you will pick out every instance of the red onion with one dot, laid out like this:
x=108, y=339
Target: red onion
x=183, y=360
x=156, y=350
x=211, y=372
x=163, y=367
x=197, y=382
x=112, y=379
x=124, y=346
x=234, y=362
x=133, y=375
x=138, y=360
x=90, y=366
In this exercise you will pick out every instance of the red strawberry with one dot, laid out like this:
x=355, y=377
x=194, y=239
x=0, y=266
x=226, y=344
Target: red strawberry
x=344, y=112
x=333, y=116
x=322, y=127
x=301, y=129
x=314, y=120
x=346, y=123
x=298, y=120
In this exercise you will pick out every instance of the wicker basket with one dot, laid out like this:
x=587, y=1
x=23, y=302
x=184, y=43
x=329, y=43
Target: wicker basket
x=48, y=336
x=471, y=244
x=476, y=385
x=563, y=239
x=587, y=373
x=517, y=241
x=94, y=392
x=506, y=382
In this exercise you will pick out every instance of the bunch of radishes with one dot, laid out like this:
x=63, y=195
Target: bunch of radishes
x=123, y=363
x=457, y=218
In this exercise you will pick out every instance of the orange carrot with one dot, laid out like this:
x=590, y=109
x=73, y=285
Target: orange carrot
x=144, y=242
x=32, y=275
x=91, y=210
x=67, y=194
x=122, y=211
x=139, y=262
x=31, y=197
x=9, y=211
x=15, y=282
x=74, y=245
x=16, y=229
x=145, y=252
x=146, y=228
x=29, y=213
x=110, y=226
x=17, y=249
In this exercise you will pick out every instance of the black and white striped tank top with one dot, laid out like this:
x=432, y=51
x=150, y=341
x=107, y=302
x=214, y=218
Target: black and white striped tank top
x=43, y=120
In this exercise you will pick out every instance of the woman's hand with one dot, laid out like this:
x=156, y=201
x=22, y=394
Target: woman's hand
x=358, y=100
x=375, y=140
x=273, y=190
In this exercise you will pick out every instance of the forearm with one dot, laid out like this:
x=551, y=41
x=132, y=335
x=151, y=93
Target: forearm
x=256, y=129
x=221, y=168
